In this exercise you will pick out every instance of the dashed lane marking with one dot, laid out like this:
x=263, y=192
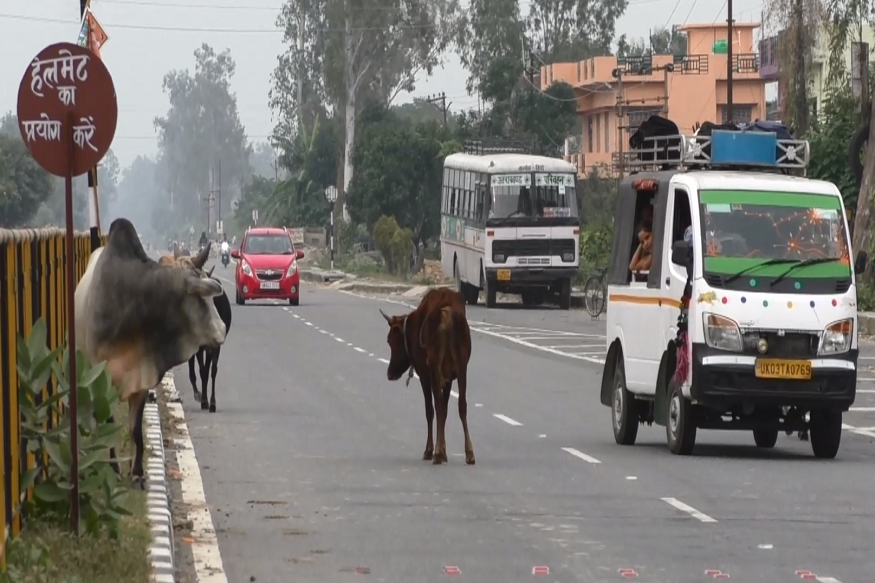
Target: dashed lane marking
x=362, y=350
x=862, y=409
x=507, y=419
x=689, y=510
x=579, y=454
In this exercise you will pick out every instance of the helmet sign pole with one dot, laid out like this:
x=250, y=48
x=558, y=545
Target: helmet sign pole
x=331, y=195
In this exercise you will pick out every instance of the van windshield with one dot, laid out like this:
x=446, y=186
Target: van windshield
x=741, y=229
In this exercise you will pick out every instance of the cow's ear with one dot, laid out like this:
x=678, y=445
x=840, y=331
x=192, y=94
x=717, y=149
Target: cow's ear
x=388, y=319
x=202, y=286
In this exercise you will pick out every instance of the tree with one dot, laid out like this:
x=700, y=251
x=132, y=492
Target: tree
x=662, y=42
x=138, y=198
x=24, y=185
x=353, y=48
x=202, y=133
x=491, y=42
x=263, y=161
x=572, y=30
x=547, y=118
x=828, y=138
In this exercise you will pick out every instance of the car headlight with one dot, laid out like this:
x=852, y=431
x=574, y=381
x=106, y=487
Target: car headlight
x=568, y=257
x=498, y=258
x=722, y=333
x=293, y=269
x=246, y=269
x=836, y=338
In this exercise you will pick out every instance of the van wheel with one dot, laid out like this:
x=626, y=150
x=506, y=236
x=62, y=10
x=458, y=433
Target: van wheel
x=624, y=409
x=765, y=438
x=825, y=431
x=680, y=427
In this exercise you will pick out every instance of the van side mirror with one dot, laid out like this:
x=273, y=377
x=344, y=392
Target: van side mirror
x=861, y=263
x=680, y=254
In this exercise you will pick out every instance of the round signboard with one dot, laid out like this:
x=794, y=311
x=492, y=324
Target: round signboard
x=67, y=100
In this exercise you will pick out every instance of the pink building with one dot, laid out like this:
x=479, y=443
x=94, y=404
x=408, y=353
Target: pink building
x=695, y=91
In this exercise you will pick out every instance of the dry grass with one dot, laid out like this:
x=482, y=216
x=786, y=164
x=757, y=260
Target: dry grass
x=46, y=552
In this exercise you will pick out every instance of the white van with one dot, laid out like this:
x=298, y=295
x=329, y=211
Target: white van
x=769, y=340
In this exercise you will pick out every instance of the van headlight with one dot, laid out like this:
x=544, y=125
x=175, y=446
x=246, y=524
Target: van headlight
x=722, y=333
x=836, y=338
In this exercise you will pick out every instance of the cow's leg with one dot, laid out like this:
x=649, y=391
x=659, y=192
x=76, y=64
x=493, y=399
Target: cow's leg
x=446, y=407
x=462, y=382
x=192, y=376
x=429, y=417
x=136, y=406
x=205, y=376
x=214, y=356
x=112, y=453
x=441, y=409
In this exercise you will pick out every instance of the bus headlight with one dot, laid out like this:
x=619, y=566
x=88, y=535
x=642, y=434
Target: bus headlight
x=498, y=258
x=722, y=333
x=568, y=257
x=836, y=338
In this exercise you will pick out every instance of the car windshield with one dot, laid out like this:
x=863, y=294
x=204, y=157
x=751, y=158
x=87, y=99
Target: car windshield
x=268, y=245
x=741, y=229
x=553, y=195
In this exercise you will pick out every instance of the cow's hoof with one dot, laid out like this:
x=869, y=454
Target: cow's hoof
x=197, y=396
x=212, y=407
x=469, y=458
x=444, y=458
x=436, y=460
x=427, y=454
x=204, y=405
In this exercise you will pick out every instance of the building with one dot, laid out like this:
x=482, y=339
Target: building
x=818, y=69
x=687, y=89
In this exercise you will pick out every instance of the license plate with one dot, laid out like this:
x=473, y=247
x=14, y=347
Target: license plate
x=504, y=275
x=783, y=369
x=270, y=285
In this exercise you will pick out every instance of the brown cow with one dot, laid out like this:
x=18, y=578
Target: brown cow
x=434, y=340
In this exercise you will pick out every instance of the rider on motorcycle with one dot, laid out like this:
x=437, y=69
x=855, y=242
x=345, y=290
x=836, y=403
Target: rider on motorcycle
x=203, y=240
x=226, y=250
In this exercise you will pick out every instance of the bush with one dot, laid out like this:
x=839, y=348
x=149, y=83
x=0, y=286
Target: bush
x=101, y=495
x=395, y=244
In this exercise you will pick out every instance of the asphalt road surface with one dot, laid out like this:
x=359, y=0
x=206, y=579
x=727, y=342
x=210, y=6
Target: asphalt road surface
x=312, y=466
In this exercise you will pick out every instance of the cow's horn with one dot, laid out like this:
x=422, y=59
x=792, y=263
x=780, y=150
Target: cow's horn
x=210, y=272
x=388, y=319
x=202, y=257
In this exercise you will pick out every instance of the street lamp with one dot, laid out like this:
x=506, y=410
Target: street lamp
x=331, y=195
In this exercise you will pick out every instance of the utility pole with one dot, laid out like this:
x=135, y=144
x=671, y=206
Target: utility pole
x=219, y=214
x=729, y=113
x=443, y=107
x=300, y=103
x=94, y=220
x=801, y=79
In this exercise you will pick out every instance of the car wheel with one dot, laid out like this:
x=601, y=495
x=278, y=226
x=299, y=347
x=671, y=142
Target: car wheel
x=624, y=409
x=294, y=301
x=765, y=438
x=680, y=427
x=825, y=432
x=239, y=299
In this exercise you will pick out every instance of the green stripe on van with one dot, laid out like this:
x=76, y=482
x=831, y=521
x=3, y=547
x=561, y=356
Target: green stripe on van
x=732, y=265
x=762, y=197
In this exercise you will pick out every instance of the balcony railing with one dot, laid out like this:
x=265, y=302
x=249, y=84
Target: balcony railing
x=746, y=63
x=691, y=64
x=636, y=65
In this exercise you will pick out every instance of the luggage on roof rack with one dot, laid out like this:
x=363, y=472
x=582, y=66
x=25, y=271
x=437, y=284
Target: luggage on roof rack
x=496, y=146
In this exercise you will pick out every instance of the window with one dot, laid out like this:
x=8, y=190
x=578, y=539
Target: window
x=740, y=113
x=589, y=134
x=639, y=116
x=640, y=253
x=607, y=132
x=268, y=245
x=681, y=215
x=598, y=130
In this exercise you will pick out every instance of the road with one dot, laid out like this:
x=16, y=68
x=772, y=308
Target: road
x=312, y=466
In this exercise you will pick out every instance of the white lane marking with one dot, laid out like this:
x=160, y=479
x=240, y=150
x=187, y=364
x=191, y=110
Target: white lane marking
x=525, y=330
x=866, y=357
x=309, y=323
x=296, y=316
x=579, y=454
x=866, y=432
x=542, y=436
x=537, y=347
x=323, y=331
x=357, y=349
x=507, y=419
x=478, y=404
x=557, y=346
x=866, y=390
x=204, y=546
x=863, y=409
x=867, y=379
x=688, y=509
x=631, y=478
x=349, y=344
x=371, y=354
x=828, y=580
x=766, y=547
x=454, y=394
x=383, y=360
x=339, y=339
x=285, y=309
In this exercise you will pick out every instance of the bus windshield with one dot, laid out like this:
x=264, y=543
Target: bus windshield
x=553, y=195
x=741, y=229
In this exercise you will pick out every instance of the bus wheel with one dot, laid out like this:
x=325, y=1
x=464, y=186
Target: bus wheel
x=565, y=294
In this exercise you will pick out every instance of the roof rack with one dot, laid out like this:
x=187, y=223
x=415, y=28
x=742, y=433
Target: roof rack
x=721, y=150
x=484, y=147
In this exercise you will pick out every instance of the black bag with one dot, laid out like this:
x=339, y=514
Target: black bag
x=654, y=127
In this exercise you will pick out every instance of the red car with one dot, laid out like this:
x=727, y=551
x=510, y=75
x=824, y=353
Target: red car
x=267, y=266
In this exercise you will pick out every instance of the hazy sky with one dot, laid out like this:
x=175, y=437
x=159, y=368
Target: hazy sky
x=143, y=46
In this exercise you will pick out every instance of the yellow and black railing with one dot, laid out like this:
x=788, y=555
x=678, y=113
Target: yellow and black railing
x=33, y=285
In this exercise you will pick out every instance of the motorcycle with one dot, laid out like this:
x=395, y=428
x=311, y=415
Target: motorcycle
x=226, y=258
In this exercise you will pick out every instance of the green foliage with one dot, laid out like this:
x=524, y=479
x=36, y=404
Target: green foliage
x=829, y=141
x=395, y=244
x=24, y=185
x=865, y=297
x=102, y=496
x=597, y=194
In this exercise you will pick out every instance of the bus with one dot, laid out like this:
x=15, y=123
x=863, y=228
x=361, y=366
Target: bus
x=509, y=224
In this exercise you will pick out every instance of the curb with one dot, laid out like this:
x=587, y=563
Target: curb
x=866, y=323
x=157, y=500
